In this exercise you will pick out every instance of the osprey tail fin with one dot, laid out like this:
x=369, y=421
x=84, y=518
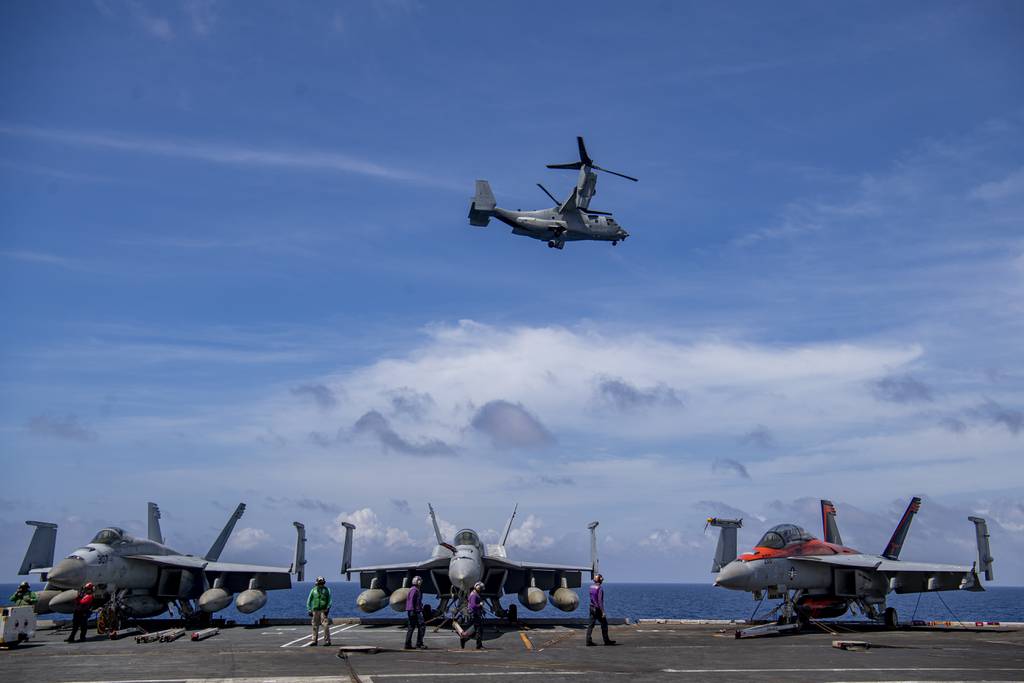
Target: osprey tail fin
x=482, y=206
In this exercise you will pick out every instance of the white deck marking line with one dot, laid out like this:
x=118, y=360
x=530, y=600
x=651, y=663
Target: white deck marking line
x=336, y=678
x=832, y=670
x=480, y=674
x=310, y=637
x=336, y=629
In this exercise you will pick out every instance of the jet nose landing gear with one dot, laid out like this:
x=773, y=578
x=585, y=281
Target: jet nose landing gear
x=553, y=244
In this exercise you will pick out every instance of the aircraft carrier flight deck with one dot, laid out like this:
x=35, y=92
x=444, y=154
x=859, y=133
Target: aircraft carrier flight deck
x=646, y=651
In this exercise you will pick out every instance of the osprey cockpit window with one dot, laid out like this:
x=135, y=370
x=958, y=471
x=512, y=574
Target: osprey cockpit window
x=467, y=537
x=109, y=536
x=781, y=535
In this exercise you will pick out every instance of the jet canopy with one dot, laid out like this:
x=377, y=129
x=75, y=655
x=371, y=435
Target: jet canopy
x=781, y=535
x=108, y=536
x=467, y=537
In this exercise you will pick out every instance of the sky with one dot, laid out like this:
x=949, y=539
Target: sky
x=235, y=266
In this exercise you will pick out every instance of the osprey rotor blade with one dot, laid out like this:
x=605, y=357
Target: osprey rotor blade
x=557, y=203
x=621, y=175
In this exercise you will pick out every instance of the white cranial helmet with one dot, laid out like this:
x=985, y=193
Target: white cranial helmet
x=417, y=580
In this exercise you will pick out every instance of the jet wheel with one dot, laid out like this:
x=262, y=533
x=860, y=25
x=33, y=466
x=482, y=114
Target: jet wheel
x=512, y=613
x=551, y=244
x=891, y=618
x=615, y=243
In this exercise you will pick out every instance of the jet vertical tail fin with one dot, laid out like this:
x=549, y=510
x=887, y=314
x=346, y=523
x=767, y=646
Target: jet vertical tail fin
x=437, y=529
x=482, y=206
x=299, y=563
x=40, y=549
x=508, y=527
x=895, y=545
x=218, y=546
x=829, y=528
x=153, y=514
x=346, y=551
x=725, y=551
x=593, y=549
x=984, y=552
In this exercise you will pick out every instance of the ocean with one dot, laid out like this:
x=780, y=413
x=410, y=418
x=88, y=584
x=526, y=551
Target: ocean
x=667, y=600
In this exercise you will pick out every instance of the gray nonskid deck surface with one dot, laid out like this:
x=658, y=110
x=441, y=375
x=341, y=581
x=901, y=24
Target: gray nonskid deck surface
x=655, y=652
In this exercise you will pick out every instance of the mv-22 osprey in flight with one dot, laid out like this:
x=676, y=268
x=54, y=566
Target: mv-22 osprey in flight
x=143, y=576
x=571, y=220
x=823, y=578
x=453, y=569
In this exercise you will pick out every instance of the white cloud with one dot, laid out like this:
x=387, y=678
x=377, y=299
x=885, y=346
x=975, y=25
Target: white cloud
x=370, y=530
x=211, y=152
x=1010, y=186
x=528, y=536
x=248, y=539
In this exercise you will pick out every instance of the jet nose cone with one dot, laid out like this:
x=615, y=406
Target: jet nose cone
x=463, y=574
x=69, y=572
x=736, y=574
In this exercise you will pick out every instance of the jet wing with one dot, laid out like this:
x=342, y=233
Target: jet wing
x=391, y=576
x=514, y=575
x=179, y=561
x=538, y=566
x=905, y=577
x=433, y=563
x=235, y=576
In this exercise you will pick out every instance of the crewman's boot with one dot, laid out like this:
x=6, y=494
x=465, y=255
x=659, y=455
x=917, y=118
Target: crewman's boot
x=591, y=643
x=610, y=642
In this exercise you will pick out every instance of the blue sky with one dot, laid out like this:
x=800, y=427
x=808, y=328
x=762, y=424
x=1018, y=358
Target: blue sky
x=235, y=265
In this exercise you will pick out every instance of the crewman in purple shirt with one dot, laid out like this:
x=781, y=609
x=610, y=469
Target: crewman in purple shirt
x=597, y=612
x=414, y=613
x=476, y=616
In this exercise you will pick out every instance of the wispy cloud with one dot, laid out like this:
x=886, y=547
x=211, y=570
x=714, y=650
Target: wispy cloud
x=38, y=257
x=215, y=153
x=321, y=394
x=378, y=426
x=67, y=427
x=730, y=467
x=510, y=425
x=901, y=389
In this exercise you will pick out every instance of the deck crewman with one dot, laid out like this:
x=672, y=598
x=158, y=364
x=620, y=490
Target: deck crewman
x=318, y=604
x=23, y=596
x=414, y=613
x=597, y=614
x=83, y=608
x=476, y=616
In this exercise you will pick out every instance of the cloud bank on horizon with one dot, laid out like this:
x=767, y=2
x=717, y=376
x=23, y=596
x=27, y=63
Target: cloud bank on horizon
x=226, y=279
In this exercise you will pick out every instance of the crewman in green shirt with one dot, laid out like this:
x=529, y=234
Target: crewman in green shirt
x=318, y=604
x=23, y=596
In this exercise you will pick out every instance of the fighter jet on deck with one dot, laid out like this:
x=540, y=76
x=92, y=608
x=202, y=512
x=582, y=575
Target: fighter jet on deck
x=143, y=576
x=571, y=220
x=818, y=579
x=453, y=569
